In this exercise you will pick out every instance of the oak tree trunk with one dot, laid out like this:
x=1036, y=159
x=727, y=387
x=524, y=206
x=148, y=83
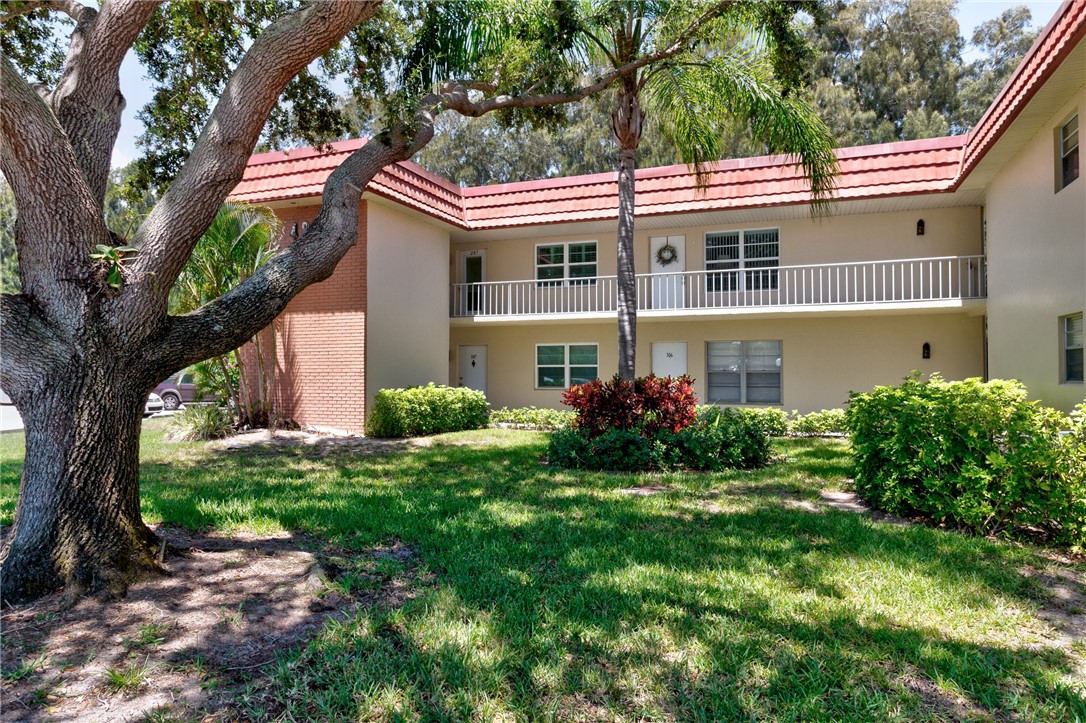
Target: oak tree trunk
x=78, y=523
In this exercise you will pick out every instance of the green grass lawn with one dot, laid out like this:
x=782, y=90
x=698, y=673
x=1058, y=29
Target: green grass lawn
x=546, y=594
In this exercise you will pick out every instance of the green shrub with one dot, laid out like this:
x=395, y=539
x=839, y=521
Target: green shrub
x=532, y=417
x=426, y=410
x=744, y=435
x=828, y=421
x=568, y=449
x=770, y=419
x=718, y=439
x=201, y=422
x=972, y=453
x=622, y=450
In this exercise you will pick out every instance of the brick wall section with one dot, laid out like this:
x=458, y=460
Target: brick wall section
x=321, y=341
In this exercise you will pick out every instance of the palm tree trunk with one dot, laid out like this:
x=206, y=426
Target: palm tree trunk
x=626, y=121
x=230, y=391
x=263, y=398
x=245, y=393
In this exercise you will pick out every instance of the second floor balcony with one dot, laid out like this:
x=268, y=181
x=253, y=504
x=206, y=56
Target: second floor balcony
x=904, y=284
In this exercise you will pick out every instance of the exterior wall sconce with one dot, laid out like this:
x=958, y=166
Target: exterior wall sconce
x=920, y=227
x=927, y=347
x=294, y=230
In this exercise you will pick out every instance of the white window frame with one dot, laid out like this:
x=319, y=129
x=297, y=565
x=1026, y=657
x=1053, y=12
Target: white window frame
x=1067, y=346
x=1068, y=144
x=743, y=371
x=566, y=265
x=567, y=367
x=743, y=274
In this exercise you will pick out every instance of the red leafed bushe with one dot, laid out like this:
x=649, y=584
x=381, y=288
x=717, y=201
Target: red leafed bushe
x=646, y=404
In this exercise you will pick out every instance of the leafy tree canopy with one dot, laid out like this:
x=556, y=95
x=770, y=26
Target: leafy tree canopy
x=189, y=49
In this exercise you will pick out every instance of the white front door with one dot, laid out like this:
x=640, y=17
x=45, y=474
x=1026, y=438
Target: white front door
x=669, y=359
x=668, y=281
x=473, y=367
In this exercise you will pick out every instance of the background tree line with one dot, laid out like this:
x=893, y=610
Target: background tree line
x=882, y=70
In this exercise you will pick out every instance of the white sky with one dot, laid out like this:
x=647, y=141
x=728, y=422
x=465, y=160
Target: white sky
x=971, y=13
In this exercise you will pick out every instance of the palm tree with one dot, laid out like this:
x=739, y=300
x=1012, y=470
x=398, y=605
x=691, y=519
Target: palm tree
x=707, y=65
x=238, y=242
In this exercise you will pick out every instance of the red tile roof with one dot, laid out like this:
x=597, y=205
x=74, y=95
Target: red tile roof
x=936, y=165
x=301, y=173
x=866, y=171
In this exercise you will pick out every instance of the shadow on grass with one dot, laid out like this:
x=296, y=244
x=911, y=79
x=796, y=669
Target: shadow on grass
x=558, y=596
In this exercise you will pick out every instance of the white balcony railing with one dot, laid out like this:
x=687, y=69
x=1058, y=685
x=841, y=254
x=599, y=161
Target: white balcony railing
x=947, y=278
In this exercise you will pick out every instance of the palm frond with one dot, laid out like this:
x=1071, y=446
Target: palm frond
x=696, y=101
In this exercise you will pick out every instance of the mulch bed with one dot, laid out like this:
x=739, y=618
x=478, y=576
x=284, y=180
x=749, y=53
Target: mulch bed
x=179, y=644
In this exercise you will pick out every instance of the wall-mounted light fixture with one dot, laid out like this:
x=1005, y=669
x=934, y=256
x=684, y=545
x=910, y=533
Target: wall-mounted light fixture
x=920, y=227
x=926, y=353
x=294, y=230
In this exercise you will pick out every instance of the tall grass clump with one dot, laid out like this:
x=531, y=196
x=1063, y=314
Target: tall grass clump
x=201, y=422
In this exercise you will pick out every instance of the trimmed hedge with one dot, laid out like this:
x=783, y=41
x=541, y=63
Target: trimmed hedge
x=828, y=421
x=779, y=423
x=972, y=453
x=425, y=410
x=532, y=417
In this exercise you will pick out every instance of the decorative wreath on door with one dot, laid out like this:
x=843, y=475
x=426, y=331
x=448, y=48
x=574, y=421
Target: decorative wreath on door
x=667, y=255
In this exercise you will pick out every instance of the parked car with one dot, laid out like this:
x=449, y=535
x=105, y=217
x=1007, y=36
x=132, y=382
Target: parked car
x=153, y=404
x=178, y=389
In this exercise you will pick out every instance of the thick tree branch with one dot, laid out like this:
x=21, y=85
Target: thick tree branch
x=231, y=320
x=87, y=101
x=217, y=162
x=69, y=7
x=58, y=220
x=30, y=350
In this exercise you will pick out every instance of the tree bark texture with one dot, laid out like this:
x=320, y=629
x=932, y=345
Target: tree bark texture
x=78, y=520
x=626, y=121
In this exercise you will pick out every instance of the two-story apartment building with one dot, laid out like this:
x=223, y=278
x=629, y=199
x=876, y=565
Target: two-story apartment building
x=963, y=255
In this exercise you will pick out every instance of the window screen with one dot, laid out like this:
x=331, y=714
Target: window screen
x=744, y=372
x=1072, y=348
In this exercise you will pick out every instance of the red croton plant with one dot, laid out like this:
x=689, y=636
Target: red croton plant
x=646, y=405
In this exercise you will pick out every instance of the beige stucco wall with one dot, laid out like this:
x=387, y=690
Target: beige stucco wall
x=407, y=334
x=1036, y=264
x=822, y=358
x=834, y=239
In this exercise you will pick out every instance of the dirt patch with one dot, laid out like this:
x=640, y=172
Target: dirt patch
x=805, y=505
x=645, y=490
x=329, y=443
x=1064, y=603
x=183, y=643
x=843, y=501
x=945, y=705
x=848, y=502
x=322, y=441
